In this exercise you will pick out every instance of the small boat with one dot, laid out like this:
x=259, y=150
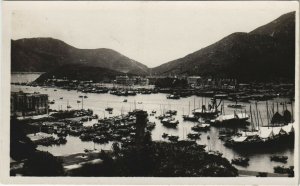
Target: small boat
x=85, y=97
x=150, y=125
x=140, y=102
x=172, y=96
x=240, y=161
x=55, y=90
x=78, y=101
x=236, y=106
x=201, y=127
x=194, y=136
x=52, y=102
x=109, y=109
x=173, y=138
x=283, y=170
x=165, y=135
x=61, y=98
x=153, y=112
x=171, y=112
x=125, y=100
x=282, y=159
x=69, y=106
x=170, y=122
x=190, y=117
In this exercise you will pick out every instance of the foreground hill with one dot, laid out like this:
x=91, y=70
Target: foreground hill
x=266, y=53
x=45, y=54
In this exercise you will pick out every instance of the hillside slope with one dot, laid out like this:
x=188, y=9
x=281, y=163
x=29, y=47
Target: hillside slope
x=266, y=53
x=45, y=54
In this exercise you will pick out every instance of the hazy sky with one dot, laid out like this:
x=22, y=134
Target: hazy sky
x=149, y=32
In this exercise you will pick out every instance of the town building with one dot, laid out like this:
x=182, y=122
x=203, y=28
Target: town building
x=28, y=104
x=193, y=80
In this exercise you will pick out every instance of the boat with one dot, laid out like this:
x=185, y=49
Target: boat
x=150, y=125
x=140, y=102
x=171, y=112
x=170, y=122
x=165, y=135
x=61, y=98
x=172, y=96
x=201, y=127
x=284, y=170
x=194, y=136
x=173, y=138
x=236, y=106
x=78, y=101
x=69, y=106
x=240, y=161
x=282, y=159
x=80, y=96
x=190, y=117
x=125, y=100
x=231, y=119
x=109, y=109
x=55, y=90
x=85, y=97
x=52, y=102
x=264, y=136
x=153, y=112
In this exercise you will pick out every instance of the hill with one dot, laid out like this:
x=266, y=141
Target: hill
x=266, y=53
x=45, y=54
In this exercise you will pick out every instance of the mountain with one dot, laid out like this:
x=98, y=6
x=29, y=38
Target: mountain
x=80, y=72
x=46, y=54
x=266, y=53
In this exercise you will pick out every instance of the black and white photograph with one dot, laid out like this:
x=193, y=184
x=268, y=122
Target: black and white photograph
x=152, y=89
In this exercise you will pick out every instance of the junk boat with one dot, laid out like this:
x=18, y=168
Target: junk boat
x=240, y=161
x=263, y=137
x=190, y=117
x=194, y=136
x=171, y=112
x=231, y=119
x=210, y=112
x=170, y=122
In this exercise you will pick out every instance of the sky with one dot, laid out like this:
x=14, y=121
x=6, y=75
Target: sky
x=149, y=32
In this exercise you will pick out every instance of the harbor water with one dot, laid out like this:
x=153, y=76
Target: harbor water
x=259, y=159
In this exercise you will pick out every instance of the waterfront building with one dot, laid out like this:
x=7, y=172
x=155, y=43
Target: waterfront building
x=28, y=104
x=193, y=80
x=123, y=80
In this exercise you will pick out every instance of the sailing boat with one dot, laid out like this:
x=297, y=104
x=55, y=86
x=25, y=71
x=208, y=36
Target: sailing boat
x=236, y=119
x=190, y=117
x=210, y=112
x=109, y=109
x=68, y=106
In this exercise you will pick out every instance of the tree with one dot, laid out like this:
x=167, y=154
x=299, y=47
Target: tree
x=43, y=164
